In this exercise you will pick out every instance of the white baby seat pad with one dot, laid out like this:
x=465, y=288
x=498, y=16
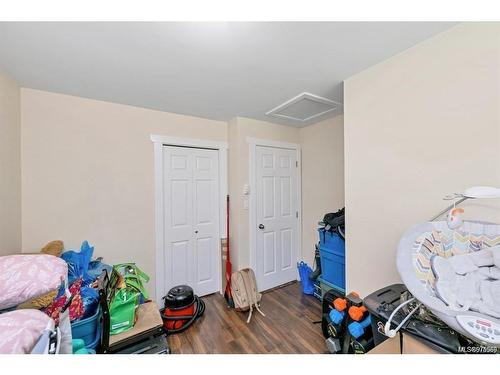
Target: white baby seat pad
x=469, y=281
x=454, y=274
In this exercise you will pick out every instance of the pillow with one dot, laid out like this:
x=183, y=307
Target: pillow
x=24, y=277
x=21, y=329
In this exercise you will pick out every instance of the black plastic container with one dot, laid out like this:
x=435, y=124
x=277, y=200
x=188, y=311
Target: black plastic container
x=380, y=305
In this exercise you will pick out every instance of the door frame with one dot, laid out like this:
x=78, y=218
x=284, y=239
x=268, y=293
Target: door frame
x=252, y=207
x=159, y=142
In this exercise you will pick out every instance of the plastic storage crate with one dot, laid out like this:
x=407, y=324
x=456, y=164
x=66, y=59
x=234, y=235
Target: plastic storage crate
x=328, y=239
x=332, y=256
x=88, y=329
x=326, y=286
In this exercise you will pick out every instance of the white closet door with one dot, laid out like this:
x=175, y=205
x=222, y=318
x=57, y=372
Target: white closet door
x=191, y=217
x=206, y=220
x=277, y=216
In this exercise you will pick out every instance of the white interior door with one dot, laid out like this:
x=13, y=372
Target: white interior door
x=191, y=217
x=277, y=216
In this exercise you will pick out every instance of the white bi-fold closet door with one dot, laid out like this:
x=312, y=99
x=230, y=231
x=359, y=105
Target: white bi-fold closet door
x=191, y=218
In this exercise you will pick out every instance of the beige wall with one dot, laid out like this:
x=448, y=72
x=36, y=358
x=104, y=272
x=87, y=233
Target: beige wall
x=418, y=126
x=239, y=129
x=10, y=166
x=322, y=177
x=88, y=173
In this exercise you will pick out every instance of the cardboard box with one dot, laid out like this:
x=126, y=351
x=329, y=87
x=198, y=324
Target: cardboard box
x=403, y=344
x=389, y=346
x=412, y=345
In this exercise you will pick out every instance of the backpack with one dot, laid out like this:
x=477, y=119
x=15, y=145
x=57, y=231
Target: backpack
x=244, y=291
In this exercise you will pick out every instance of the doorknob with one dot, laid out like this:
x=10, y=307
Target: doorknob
x=261, y=226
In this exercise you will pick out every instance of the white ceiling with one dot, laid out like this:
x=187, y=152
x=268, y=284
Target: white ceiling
x=211, y=70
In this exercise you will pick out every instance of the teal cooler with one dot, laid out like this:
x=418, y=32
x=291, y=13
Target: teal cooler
x=332, y=257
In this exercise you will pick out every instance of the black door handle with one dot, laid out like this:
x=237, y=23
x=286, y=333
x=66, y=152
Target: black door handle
x=261, y=226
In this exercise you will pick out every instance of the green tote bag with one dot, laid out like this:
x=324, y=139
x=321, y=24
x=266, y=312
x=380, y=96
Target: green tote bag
x=126, y=298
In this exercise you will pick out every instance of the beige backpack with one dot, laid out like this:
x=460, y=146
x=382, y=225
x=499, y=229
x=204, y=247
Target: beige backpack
x=244, y=291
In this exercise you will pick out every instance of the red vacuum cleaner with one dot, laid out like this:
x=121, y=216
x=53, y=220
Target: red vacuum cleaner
x=182, y=308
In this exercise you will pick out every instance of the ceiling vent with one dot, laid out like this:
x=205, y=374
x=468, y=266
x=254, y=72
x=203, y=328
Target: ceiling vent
x=304, y=107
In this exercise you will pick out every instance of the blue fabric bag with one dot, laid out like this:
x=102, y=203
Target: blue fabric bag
x=305, y=281
x=97, y=266
x=78, y=263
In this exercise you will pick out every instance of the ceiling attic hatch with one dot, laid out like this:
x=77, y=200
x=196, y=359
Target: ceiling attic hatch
x=304, y=107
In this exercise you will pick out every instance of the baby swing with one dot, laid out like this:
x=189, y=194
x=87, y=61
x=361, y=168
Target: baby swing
x=452, y=268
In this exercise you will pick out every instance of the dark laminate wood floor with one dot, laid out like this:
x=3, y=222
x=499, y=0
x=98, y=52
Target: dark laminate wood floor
x=287, y=327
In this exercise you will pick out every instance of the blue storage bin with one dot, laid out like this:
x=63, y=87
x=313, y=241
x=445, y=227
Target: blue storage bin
x=88, y=329
x=325, y=286
x=329, y=240
x=332, y=257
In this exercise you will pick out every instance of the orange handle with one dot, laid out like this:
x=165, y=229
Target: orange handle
x=356, y=313
x=340, y=304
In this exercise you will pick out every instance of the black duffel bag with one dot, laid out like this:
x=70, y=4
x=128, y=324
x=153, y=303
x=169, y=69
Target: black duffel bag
x=335, y=222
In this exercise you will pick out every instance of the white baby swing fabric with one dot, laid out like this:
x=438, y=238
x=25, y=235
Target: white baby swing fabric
x=425, y=251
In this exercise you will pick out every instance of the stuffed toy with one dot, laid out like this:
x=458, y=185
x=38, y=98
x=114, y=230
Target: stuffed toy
x=53, y=248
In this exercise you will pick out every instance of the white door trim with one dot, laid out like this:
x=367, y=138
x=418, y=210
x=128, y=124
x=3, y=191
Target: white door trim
x=253, y=143
x=159, y=141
